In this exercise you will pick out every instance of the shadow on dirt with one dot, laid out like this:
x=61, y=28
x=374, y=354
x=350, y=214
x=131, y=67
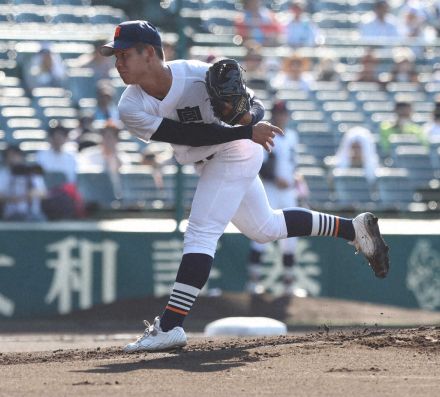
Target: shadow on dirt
x=208, y=360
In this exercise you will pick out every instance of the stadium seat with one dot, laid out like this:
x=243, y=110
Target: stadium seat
x=308, y=115
x=139, y=190
x=397, y=140
x=53, y=102
x=70, y=2
x=81, y=83
x=97, y=189
x=434, y=152
x=17, y=111
x=60, y=113
x=51, y=92
x=68, y=18
x=320, y=195
x=12, y=101
x=30, y=17
x=29, y=2
x=13, y=92
x=23, y=123
x=29, y=135
x=292, y=95
x=370, y=107
x=361, y=86
x=339, y=106
x=325, y=96
x=9, y=81
x=301, y=105
x=417, y=161
x=363, y=96
x=30, y=148
x=110, y=19
x=352, y=190
x=394, y=191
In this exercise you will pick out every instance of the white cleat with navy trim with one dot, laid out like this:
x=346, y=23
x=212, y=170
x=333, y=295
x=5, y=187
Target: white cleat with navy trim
x=154, y=339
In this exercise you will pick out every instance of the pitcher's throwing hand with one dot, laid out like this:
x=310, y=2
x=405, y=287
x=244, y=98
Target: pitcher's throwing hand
x=263, y=134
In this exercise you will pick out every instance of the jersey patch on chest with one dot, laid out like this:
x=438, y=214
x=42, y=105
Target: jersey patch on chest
x=189, y=114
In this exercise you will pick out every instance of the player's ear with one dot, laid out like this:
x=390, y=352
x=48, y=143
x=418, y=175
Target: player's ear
x=149, y=51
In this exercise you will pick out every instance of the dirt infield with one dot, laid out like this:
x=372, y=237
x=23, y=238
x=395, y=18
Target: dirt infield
x=341, y=363
x=73, y=356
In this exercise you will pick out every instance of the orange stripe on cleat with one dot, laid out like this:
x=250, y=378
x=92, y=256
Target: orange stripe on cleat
x=336, y=227
x=173, y=309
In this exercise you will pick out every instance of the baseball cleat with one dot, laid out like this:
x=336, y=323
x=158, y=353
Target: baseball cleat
x=154, y=339
x=369, y=242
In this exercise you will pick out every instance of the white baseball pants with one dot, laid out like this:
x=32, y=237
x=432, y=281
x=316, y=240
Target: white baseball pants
x=229, y=189
x=279, y=198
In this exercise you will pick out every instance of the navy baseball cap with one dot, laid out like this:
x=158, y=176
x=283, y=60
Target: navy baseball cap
x=130, y=33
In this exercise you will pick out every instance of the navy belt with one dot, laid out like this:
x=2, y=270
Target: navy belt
x=204, y=160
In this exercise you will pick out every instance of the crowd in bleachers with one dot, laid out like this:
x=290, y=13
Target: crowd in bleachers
x=360, y=80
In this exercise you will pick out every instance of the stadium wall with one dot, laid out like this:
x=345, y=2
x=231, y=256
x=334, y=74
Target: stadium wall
x=57, y=268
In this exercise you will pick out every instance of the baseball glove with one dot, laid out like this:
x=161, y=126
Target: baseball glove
x=227, y=91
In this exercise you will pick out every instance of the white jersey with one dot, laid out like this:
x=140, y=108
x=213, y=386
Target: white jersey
x=187, y=102
x=229, y=188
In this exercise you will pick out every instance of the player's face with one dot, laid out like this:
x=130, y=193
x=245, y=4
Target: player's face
x=130, y=65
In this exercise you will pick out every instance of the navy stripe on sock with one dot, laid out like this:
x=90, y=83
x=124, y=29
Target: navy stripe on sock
x=171, y=301
x=185, y=293
x=173, y=295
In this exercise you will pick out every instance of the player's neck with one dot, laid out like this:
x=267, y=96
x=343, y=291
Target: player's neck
x=158, y=84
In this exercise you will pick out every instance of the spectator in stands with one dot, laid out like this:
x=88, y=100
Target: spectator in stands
x=294, y=73
x=432, y=128
x=101, y=65
x=300, y=31
x=404, y=67
x=256, y=69
x=413, y=19
x=328, y=69
x=358, y=150
x=22, y=188
x=369, y=68
x=46, y=69
x=380, y=25
x=402, y=125
x=106, y=156
x=57, y=159
x=278, y=176
x=258, y=23
x=106, y=109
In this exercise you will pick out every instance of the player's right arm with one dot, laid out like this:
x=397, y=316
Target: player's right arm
x=150, y=127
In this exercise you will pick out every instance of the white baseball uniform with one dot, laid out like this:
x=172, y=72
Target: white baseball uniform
x=229, y=188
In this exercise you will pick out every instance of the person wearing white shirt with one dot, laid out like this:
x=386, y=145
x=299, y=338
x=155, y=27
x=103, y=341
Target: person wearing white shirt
x=358, y=150
x=169, y=102
x=57, y=159
x=381, y=25
x=278, y=176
